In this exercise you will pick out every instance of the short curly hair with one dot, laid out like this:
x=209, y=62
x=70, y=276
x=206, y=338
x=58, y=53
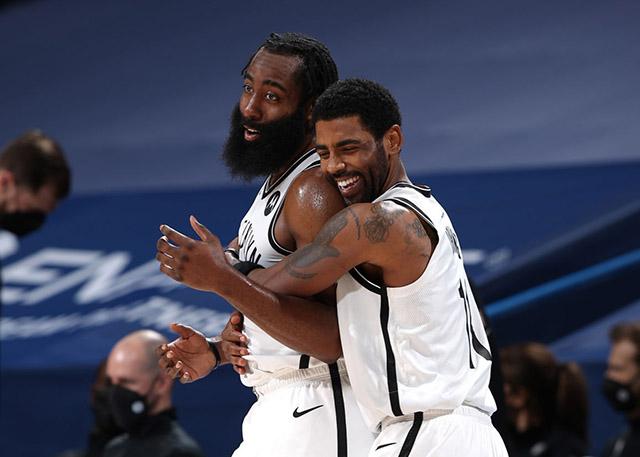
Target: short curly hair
x=375, y=105
x=317, y=69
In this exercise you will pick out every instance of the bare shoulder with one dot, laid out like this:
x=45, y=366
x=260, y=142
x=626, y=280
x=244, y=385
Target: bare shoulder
x=387, y=222
x=313, y=187
x=312, y=194
x=310, y=202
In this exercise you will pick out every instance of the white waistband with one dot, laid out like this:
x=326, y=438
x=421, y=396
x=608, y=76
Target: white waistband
x=304, y=375
x=463, y=410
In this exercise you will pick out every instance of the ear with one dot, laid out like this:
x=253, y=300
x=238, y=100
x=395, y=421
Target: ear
x=164, y=383
x=393, y=140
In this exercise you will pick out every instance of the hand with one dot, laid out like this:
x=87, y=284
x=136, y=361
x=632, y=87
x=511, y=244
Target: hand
x=197, y=264
x=187, y=358
x=233, y=345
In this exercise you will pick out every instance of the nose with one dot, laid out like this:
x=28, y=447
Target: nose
x=335, y=164
x=251, y=109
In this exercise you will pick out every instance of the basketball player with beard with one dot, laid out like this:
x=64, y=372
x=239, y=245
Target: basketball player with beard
x=409, y=328
x=304, y=406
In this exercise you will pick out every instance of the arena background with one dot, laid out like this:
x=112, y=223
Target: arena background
x=521, y=116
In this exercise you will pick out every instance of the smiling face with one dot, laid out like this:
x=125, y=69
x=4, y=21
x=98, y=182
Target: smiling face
x=351, y=156
x=269, y=125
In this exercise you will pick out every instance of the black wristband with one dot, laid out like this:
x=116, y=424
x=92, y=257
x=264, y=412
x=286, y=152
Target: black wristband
x=216, y=353
x=245, y=267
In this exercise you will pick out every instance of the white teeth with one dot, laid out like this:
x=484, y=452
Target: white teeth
x=344, y=183
x=251, y=130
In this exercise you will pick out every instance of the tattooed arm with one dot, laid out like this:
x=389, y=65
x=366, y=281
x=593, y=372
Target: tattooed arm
x=382, y=235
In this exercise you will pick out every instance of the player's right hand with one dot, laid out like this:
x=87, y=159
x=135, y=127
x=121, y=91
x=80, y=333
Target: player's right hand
x=187, y=358
x=234, y=343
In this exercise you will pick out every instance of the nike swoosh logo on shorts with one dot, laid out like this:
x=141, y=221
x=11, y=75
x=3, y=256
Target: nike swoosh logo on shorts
x=297, y=413
x=384, y=445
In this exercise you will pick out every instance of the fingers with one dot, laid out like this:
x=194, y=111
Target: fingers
x=167, y=248
x=234, y=337
x=173, y=274
x=167, y=362
x=183, y=330
x=202, y=231
x=174, y=236
x=239, y=369
x=236, y=320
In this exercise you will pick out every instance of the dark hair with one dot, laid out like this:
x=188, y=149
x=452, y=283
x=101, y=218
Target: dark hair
x=317, y=70
x=36, y=160
x=556, y=392
x=375, y=105
x=627, y=331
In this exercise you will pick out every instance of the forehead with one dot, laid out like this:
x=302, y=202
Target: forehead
x=269, y=67
x=340, y=129
x=623, y=352
x=126, y=364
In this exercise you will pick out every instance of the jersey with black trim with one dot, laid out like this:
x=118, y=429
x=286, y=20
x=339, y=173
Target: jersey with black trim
x=422, y=346
x=257, y=243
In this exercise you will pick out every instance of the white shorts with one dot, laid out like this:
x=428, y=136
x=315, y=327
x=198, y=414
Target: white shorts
x=297, y=416
x=463, y=432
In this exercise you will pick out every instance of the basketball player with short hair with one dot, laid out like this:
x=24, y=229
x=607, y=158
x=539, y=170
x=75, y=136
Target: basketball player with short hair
x=305, y=406
x=411, y=334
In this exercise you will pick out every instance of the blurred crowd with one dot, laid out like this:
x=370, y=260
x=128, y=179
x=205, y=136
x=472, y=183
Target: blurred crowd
x=545, y=411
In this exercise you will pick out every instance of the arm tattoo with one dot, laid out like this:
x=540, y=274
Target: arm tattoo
x=414, y=236
x=356, y=220
x=376, y=227
x=319, y=249
x=417, y=229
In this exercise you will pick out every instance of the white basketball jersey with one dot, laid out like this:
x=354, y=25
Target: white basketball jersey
x=418, y=347
x=257, y=243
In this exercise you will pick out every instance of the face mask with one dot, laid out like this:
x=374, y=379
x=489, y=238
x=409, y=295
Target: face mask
x=619, y=395
x=22, y=222
x=101, y=408
x=130, y=409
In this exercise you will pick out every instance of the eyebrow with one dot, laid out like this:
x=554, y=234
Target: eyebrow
x=268, y=82
x=347, y=142
x=340, y=143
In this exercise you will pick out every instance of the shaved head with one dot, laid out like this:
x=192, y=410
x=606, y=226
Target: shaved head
x=133, y=364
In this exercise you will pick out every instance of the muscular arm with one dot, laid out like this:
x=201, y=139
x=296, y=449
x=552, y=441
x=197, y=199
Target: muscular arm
x=381, y=234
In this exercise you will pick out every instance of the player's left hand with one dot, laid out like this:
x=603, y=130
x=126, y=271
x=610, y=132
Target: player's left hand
x=195, y=263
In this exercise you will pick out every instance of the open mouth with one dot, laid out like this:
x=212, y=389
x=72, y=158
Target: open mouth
x=250, y=134
x=348, y=186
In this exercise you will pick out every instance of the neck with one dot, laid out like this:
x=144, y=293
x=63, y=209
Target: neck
x=396, y=174
x=307, y=145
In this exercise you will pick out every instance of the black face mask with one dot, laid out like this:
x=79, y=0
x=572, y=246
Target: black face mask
x=130, y=409
x=277, y=144
x=22, y=222
x=620, y=396
x=105, y=423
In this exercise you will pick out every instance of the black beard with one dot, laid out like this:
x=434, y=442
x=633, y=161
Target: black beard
x=276, y=146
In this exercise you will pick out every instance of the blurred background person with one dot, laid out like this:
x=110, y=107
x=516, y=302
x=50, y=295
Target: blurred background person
x=104, y=427
x=621, y=387
x=140, y=401
x=546, y=403
x=34, y=177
